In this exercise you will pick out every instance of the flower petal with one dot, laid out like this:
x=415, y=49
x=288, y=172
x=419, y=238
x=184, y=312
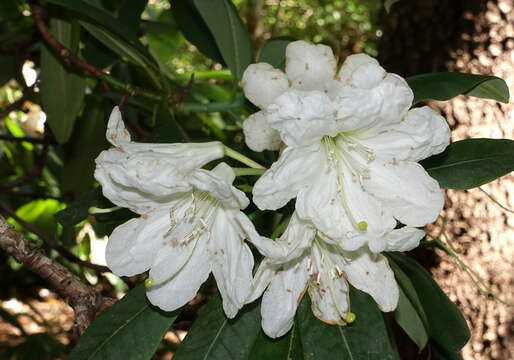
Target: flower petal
x=259, y=135
x=309, y=66
x=231, y=261
x=295, y=169
x=281, y=299
x=182, y=287
x=302, y=117
x=421, y=134
x=411, y=194
x=261, y=280
x=329, y=291
x=372, y=274
x=262, y=84
x=404, y=239
x=117, y=134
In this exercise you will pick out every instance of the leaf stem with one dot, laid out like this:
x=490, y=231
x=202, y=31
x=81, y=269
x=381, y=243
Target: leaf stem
x=231, y=153
x=248, y=171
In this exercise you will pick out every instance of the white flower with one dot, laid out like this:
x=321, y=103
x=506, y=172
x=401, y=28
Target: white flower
x=189, y=224
x=352, y=148
x=300, y=260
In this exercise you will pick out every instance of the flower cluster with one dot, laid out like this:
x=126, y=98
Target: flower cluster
x=349, y=151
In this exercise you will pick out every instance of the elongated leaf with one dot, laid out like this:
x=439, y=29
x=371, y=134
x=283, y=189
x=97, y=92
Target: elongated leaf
x=130, y=330
x=409, y=320
x=446, y=325
x=195, y=29
x=229, y=33
x=287, y=347
x=446, y=85
x=62, y=90
x=366, y=338
x=213, y=336
x=274, y=51
x=167, y=128
x=470, y=163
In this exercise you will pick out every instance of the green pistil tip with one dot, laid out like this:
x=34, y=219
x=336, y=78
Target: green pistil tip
x=350, y=317
x=363, y=226
x=148, y=283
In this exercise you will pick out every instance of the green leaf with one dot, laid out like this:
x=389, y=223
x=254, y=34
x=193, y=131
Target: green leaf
x=166, y=128
x=446, y=325
x=229, y=33
x=130, y=14
x=366, y=338
x=195, y=30
x=213, y=336
x=40, y=213
x=446, y=85
x=78, y=211
x=409, y=320
x=131, y=330
x=8, y=66
x=470, y=163
x=273, y=51
x=286, y=347
x=39, y=347
x=62, y=90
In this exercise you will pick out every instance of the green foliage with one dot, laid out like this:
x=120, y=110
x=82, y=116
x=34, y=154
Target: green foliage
x=444, y=86
x=470, y=163
x=130, y=329
x=274, y=52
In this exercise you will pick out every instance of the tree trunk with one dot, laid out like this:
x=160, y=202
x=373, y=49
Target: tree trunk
x=476, y=37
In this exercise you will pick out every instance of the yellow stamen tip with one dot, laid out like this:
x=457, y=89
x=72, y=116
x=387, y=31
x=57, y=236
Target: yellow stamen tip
x=350, y=317
x=148, y=283
x=363, y=226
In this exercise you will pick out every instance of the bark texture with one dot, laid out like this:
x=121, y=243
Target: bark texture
x=475, y=36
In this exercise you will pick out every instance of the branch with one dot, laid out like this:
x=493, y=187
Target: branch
x=84, y=300
x=51, y=243
x=66, y=55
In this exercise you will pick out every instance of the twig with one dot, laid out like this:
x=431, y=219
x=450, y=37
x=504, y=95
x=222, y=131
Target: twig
x=84, y=300
x=51, y=243
x=180, y=96
x=66, y=55
x=493, y=199
x=40, y=164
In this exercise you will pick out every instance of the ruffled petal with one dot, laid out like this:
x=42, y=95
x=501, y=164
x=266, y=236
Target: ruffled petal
x=407, y=190
x=421, y=134
x=295, y=169
x=218, y=183
x=302, y=117
x=309, y=66
x=184, y=285
x=328, y=291
x=372, y=274
x=117, y=134
x=404, y=239
x=261, y=280
x=231, y=262
x=262, y=84
x=259, y=135
x=281, y=299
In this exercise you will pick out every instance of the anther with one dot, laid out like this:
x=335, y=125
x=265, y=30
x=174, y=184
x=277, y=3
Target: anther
x=350, y=317
x=148, y=283
x=362, y=226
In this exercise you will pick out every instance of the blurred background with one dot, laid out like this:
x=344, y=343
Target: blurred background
x=39, y=177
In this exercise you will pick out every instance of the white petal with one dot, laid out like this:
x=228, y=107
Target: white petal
x=421, y=134
x=261, y=280
x=294, y=169
x=117, y=134
x=329, y=296
x=182, y=287
x=404, y=239
x=372, y=274
x=231, y=261
x=262, y=84
x=362, y=71
x=219, y=188
x=282, y=297
x=259, y=135
x=309, y=66
x=302, y=117
x=407, y=190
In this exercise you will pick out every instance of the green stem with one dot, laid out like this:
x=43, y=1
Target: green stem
x=242, y=159
x=213, y=106
x=247, y=171
x=130, y=89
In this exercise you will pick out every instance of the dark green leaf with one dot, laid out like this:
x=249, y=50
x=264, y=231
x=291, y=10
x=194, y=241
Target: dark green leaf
x=409, y=320
x=130, y=13
x=446, y=325
x=446, y=85
x=273, y=51
x=39, y=347
x=366, y=338
x=8, y=66
x=62, y=90
x=166, y=128
x=470, y=163
x=286, y=347
x=195, y=30
x=131, y=330
x=438, y=353
x=229, y=32
x=78, y=211
x=213, y=336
